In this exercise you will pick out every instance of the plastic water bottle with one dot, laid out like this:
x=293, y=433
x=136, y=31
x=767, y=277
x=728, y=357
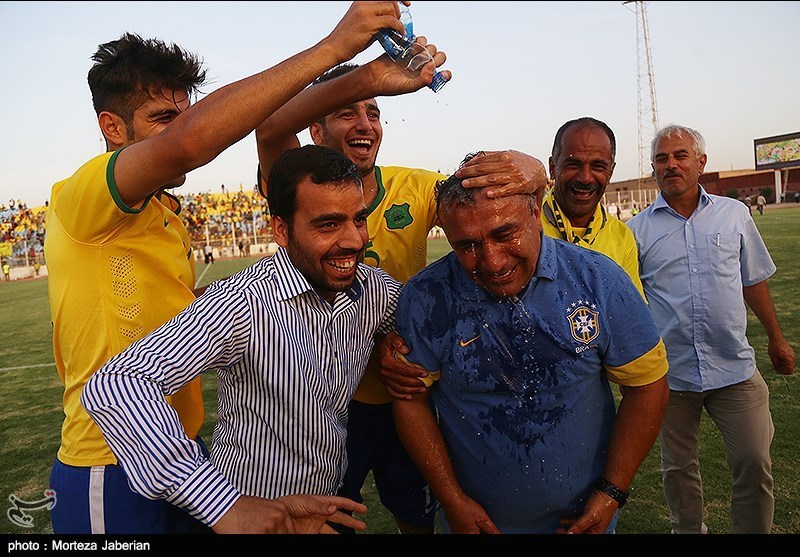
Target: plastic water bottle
x=405, y=51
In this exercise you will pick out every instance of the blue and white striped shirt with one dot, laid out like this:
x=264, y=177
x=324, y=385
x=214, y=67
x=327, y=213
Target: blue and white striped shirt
x=288, y=364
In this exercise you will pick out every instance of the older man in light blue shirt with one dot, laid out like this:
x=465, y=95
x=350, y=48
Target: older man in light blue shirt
x=701, y=259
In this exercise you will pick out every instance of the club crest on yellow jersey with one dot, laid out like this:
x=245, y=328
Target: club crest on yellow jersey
x=398, y=216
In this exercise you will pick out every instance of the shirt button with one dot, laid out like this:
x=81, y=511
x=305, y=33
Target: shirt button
x=694, y=269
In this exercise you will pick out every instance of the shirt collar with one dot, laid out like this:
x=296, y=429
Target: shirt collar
x=661, y=203
x=291, y=282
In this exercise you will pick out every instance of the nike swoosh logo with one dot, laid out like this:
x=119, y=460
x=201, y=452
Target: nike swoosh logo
x=166, y=223
x=470, y=341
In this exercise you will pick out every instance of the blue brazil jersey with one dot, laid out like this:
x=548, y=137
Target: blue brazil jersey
x=524, y=399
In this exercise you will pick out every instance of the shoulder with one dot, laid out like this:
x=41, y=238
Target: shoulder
x=728, y=205
x=619, y=228
x=376, y=280
x=579, y=260
x=375, y=274
x=636, y=221
x=438, y=276
x=389, y=173
x=90, y=171
x=259, y=273
x=99, y=161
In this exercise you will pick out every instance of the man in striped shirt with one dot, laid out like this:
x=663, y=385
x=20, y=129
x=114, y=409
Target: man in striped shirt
x=290, y=337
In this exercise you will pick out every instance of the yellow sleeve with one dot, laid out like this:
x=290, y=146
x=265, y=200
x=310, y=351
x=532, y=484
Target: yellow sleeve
x=433, y=376
x=654, y=363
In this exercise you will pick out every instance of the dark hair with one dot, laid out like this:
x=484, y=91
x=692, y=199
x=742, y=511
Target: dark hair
x=450, y=191
x=586, y=120
x=338, y=71
x=127, y=70
x=322, y=165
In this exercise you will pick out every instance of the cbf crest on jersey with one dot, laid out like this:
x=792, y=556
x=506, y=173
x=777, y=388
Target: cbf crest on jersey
x=582, y=319
x=398, y=216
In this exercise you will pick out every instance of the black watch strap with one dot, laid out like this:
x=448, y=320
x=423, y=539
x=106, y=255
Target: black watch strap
x=618, y=495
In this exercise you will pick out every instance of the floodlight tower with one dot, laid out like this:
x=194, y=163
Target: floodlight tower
x=645, y=85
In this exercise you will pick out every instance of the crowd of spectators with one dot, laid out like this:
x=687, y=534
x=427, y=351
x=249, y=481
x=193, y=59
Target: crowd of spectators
x=220, y=219
x=21, y=232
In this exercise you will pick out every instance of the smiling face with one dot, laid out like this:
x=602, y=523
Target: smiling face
x=354, y=131
x=497, y=241
x=327, y=235
x=582, y=171
x=678, y=166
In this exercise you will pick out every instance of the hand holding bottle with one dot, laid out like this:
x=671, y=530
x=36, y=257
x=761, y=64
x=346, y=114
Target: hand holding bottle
x=408, y=52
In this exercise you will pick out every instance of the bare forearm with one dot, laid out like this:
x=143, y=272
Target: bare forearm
x=232, y=112
x=780, y=352
x=212, y=125
x=227, y=115
x=420, y=434
x=311, y=104
x=759, y=300
x=635, y=430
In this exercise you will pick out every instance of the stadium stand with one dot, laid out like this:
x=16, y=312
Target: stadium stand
x=220, y=219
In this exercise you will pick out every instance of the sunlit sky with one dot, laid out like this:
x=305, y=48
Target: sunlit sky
x=520, y=70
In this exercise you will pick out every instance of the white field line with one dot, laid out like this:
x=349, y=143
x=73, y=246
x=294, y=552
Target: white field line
x=26, y=367
x=53, y=363
x=197, y=282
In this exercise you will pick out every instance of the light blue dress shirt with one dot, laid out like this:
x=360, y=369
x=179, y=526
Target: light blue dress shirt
x=693, y=271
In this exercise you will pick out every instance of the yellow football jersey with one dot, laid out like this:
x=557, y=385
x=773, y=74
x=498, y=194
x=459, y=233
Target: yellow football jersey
x=611, y=237
x=115, y=275
x=400, y=218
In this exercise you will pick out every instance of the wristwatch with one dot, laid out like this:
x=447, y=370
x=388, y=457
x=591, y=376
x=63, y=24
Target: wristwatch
x=604, y=486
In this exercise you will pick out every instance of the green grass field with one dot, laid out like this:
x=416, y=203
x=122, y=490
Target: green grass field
x=30, y=396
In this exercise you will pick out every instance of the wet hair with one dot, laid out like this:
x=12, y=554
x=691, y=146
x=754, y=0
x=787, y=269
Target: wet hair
x=450, y=191
x=322, y=165
x=698, y=141
x=126, y=71
x=584, y=121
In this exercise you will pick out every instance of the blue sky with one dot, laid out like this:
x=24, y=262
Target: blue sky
x=521, y=69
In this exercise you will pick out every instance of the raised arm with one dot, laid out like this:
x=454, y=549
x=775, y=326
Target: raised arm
x=204, y=130
x=380, y=77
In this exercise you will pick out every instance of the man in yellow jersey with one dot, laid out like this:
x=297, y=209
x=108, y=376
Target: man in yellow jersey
x=581, y=166
x=341, y=112
x=119, y=258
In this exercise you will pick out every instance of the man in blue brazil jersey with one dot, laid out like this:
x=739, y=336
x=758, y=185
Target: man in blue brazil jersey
x=521, y=334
